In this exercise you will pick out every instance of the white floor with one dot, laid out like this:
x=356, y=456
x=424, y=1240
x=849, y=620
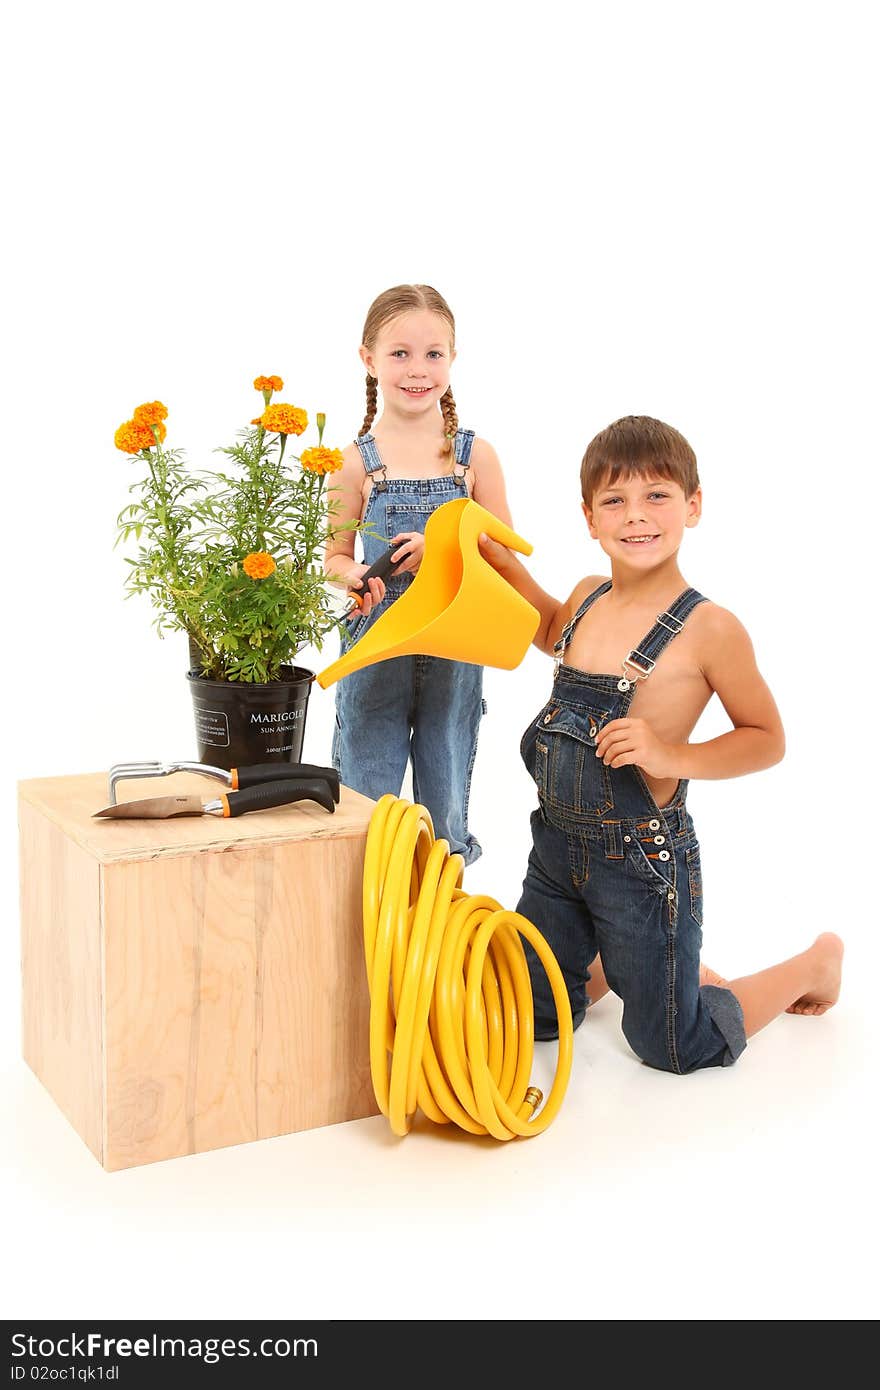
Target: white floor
x=743, y=1193
x=738, y=1194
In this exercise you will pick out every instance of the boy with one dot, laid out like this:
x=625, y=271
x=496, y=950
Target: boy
x=614, y=868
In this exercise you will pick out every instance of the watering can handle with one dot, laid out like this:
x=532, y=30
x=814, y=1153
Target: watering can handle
x=496, y=530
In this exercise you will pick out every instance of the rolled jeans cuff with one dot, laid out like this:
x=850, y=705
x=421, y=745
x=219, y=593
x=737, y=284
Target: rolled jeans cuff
x=726, y=1013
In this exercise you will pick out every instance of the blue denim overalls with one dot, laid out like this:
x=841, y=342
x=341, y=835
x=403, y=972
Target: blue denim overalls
x=610, y=872
x=420, y=707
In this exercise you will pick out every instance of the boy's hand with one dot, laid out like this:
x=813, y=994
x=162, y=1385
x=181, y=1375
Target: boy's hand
x=498, y=556
x=626, y=741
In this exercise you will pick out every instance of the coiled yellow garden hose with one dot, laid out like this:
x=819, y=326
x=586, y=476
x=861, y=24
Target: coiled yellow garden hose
x=451, y=1020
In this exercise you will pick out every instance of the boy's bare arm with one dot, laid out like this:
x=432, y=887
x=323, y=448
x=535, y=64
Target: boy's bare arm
x=756, y=741
x=554, y=615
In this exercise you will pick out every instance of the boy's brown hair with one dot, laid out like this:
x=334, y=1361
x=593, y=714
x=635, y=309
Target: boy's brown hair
x=636, y=445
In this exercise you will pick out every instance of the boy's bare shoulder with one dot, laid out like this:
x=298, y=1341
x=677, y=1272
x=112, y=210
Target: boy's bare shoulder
x=584, y=588
x=581, y=591
x=717, y=631
x=566, y=610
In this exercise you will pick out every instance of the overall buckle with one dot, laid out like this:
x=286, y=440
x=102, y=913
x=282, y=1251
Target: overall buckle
x=636, y=667
x=674, y=625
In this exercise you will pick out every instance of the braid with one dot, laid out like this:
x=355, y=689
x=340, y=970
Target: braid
x=450, y=420
x=372, y=401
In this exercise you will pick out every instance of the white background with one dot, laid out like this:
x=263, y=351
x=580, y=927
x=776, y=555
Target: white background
x=658, y=209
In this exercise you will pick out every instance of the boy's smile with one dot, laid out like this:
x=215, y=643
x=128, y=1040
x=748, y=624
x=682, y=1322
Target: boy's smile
x=645, y=539
x=411, y=361
x=641, y=520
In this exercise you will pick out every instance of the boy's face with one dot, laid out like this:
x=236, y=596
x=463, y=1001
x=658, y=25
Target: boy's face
x=640, y=522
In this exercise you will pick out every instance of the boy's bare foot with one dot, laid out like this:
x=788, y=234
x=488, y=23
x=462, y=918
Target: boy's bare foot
x=710, y=977
x=827, y=953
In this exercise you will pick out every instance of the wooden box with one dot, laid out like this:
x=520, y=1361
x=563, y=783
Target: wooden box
x=195, y=982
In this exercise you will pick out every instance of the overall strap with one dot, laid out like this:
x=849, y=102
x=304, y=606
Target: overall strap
x=369, y=453
x=561, y=646
x=464, y=442
x=641, y=661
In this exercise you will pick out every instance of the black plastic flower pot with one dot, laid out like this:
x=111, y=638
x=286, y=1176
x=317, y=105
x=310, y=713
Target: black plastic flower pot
x=238, y=724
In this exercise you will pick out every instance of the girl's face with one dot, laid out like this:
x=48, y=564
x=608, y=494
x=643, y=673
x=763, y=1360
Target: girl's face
x=410, y=360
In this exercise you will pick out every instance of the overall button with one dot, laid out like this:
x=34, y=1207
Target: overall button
x=627, y=839
x=653, y=825
x=623, y=685
x=664, y=854
x=659, y=839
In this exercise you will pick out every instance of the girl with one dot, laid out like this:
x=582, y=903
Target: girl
x=419, y=708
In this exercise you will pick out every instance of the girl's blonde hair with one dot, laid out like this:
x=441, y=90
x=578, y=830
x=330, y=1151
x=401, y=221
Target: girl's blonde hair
x=390, y=304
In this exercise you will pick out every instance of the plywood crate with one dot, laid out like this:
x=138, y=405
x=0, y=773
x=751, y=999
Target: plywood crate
x=195, y=982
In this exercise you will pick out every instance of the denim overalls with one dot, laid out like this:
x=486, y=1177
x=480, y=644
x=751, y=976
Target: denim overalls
x=420, y=707
x=613, y=873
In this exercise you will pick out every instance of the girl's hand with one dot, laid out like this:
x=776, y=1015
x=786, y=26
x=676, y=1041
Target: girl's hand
x=410, y=549
x=626, y=741
x=375, y=590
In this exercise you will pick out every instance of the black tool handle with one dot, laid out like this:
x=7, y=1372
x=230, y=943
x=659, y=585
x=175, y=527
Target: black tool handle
x=258, y=773
x=379, y=569
x=268, y=794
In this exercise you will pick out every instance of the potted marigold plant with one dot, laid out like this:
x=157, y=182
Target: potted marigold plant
x=233, y=559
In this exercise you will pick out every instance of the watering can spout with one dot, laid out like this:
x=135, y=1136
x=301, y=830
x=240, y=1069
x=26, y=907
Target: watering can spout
x=457, y=606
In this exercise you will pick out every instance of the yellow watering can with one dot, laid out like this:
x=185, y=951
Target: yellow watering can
x=457, y=606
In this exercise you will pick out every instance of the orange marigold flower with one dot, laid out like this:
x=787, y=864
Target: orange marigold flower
x=151, y=413
x=256, y=421
x=132, y=437
x=284, y=419
x=268, y=383
x=321, y=460
x=258, y=565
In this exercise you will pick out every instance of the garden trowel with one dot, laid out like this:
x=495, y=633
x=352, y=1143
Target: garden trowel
x=256, y=798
